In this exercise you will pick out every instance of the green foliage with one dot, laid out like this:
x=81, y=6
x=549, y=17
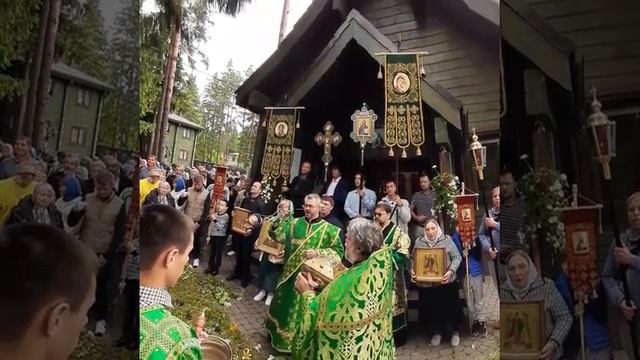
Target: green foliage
x=196, y=292
x=18, y=25
x=118, y=127
x=445, y=190
x=186, y=101
x=153, y=50
x=91, y=348
x=543, y=196
x=220, y=117
x=81, y=40
x=145, y=128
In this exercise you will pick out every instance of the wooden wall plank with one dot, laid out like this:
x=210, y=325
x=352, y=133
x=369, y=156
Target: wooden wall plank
x=594, y=20
x=609, y=51
x=605, y=36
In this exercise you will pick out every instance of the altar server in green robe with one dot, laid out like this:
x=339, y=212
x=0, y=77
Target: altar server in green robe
x=303, y=238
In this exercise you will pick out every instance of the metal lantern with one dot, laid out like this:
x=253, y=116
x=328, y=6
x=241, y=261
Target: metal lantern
x=479, y=153
x=603, y=135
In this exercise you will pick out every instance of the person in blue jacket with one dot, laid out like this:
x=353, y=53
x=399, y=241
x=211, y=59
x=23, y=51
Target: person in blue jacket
x=476, y=275
x=595, y=322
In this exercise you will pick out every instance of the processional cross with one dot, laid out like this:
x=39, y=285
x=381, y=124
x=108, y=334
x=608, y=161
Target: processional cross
x=328, y=139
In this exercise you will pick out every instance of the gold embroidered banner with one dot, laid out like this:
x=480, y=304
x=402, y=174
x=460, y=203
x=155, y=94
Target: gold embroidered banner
x=403, y=125
x=278, y=150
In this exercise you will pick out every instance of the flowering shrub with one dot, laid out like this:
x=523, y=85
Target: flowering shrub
x=267, y=189
x=196, y=292
x=543, y=196
x=445, y=190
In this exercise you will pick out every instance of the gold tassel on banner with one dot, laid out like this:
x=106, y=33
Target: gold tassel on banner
x=380, y=72
x=404, y=119
x=391, y=153
x=278, y=147
x=297, y=120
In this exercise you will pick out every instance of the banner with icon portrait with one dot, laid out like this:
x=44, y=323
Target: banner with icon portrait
x=466, y=206
x=403, y=124
x=580, y=249
x=278, y=150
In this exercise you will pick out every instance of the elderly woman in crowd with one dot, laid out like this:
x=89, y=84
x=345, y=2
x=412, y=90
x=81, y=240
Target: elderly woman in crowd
x=524, y=284
x=439, y=303
x=37, y=208
x=160, y=195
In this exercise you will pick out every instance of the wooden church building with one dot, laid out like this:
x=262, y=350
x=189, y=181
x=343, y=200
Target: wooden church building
x=328, y=64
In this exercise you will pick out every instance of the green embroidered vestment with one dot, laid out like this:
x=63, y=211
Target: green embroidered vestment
x=298, y=235
x=164, y=336
x=352, y=317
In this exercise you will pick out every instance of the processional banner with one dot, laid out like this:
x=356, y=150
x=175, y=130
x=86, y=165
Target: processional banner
x=217, y=192
x=467, y=218
x=580, y=248
x=403, y=125
x=278, y=150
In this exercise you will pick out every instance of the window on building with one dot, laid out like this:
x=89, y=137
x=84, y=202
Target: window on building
x=84, y=97
x=78, y=135
x=186, y=133
x=184, y=154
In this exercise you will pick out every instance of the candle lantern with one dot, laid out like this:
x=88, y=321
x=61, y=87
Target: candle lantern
x=479, y=153
x=603, y=135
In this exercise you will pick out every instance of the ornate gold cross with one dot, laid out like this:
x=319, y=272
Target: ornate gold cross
x=328, y=139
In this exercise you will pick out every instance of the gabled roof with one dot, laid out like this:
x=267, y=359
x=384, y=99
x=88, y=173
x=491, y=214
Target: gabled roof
x=177, y=119
x=64, y=71
x=354, y=28
x=535, y=38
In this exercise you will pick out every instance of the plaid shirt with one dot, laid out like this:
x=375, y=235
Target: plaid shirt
x=151, y=296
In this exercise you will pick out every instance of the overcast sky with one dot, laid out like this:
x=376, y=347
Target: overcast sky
x=248, y=39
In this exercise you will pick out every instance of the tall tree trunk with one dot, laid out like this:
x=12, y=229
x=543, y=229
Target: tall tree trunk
x=157, y=117
x=25, y=126
x=174, y=50
x=45, y=73
x=283, y=21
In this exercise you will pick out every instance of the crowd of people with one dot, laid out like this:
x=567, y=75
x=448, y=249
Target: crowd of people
x=339, y=220
x=81, y=207
x=87, y=198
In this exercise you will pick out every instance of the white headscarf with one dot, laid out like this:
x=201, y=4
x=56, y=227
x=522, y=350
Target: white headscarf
x=439, y=233
x=519, y=293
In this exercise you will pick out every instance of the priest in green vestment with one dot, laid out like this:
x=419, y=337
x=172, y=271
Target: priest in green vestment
x=166, y=238
x=399, y=243
x=352, y=317
x=304, y=238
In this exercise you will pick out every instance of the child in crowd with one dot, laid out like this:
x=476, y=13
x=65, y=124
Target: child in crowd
x=217, y=236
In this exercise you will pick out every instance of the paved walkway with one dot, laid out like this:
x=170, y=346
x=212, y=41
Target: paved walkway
x=250, y=315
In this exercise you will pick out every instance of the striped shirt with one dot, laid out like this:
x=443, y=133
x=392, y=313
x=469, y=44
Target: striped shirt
x=511, y=219
x=558, y=319
x=422, y=203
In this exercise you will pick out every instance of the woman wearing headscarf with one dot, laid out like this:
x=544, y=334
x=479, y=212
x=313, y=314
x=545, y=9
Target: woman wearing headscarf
x=38, y=208
x=524, y=284
x=439, y=303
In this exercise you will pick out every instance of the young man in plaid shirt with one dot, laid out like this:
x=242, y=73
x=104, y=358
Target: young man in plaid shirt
x=166, y=238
